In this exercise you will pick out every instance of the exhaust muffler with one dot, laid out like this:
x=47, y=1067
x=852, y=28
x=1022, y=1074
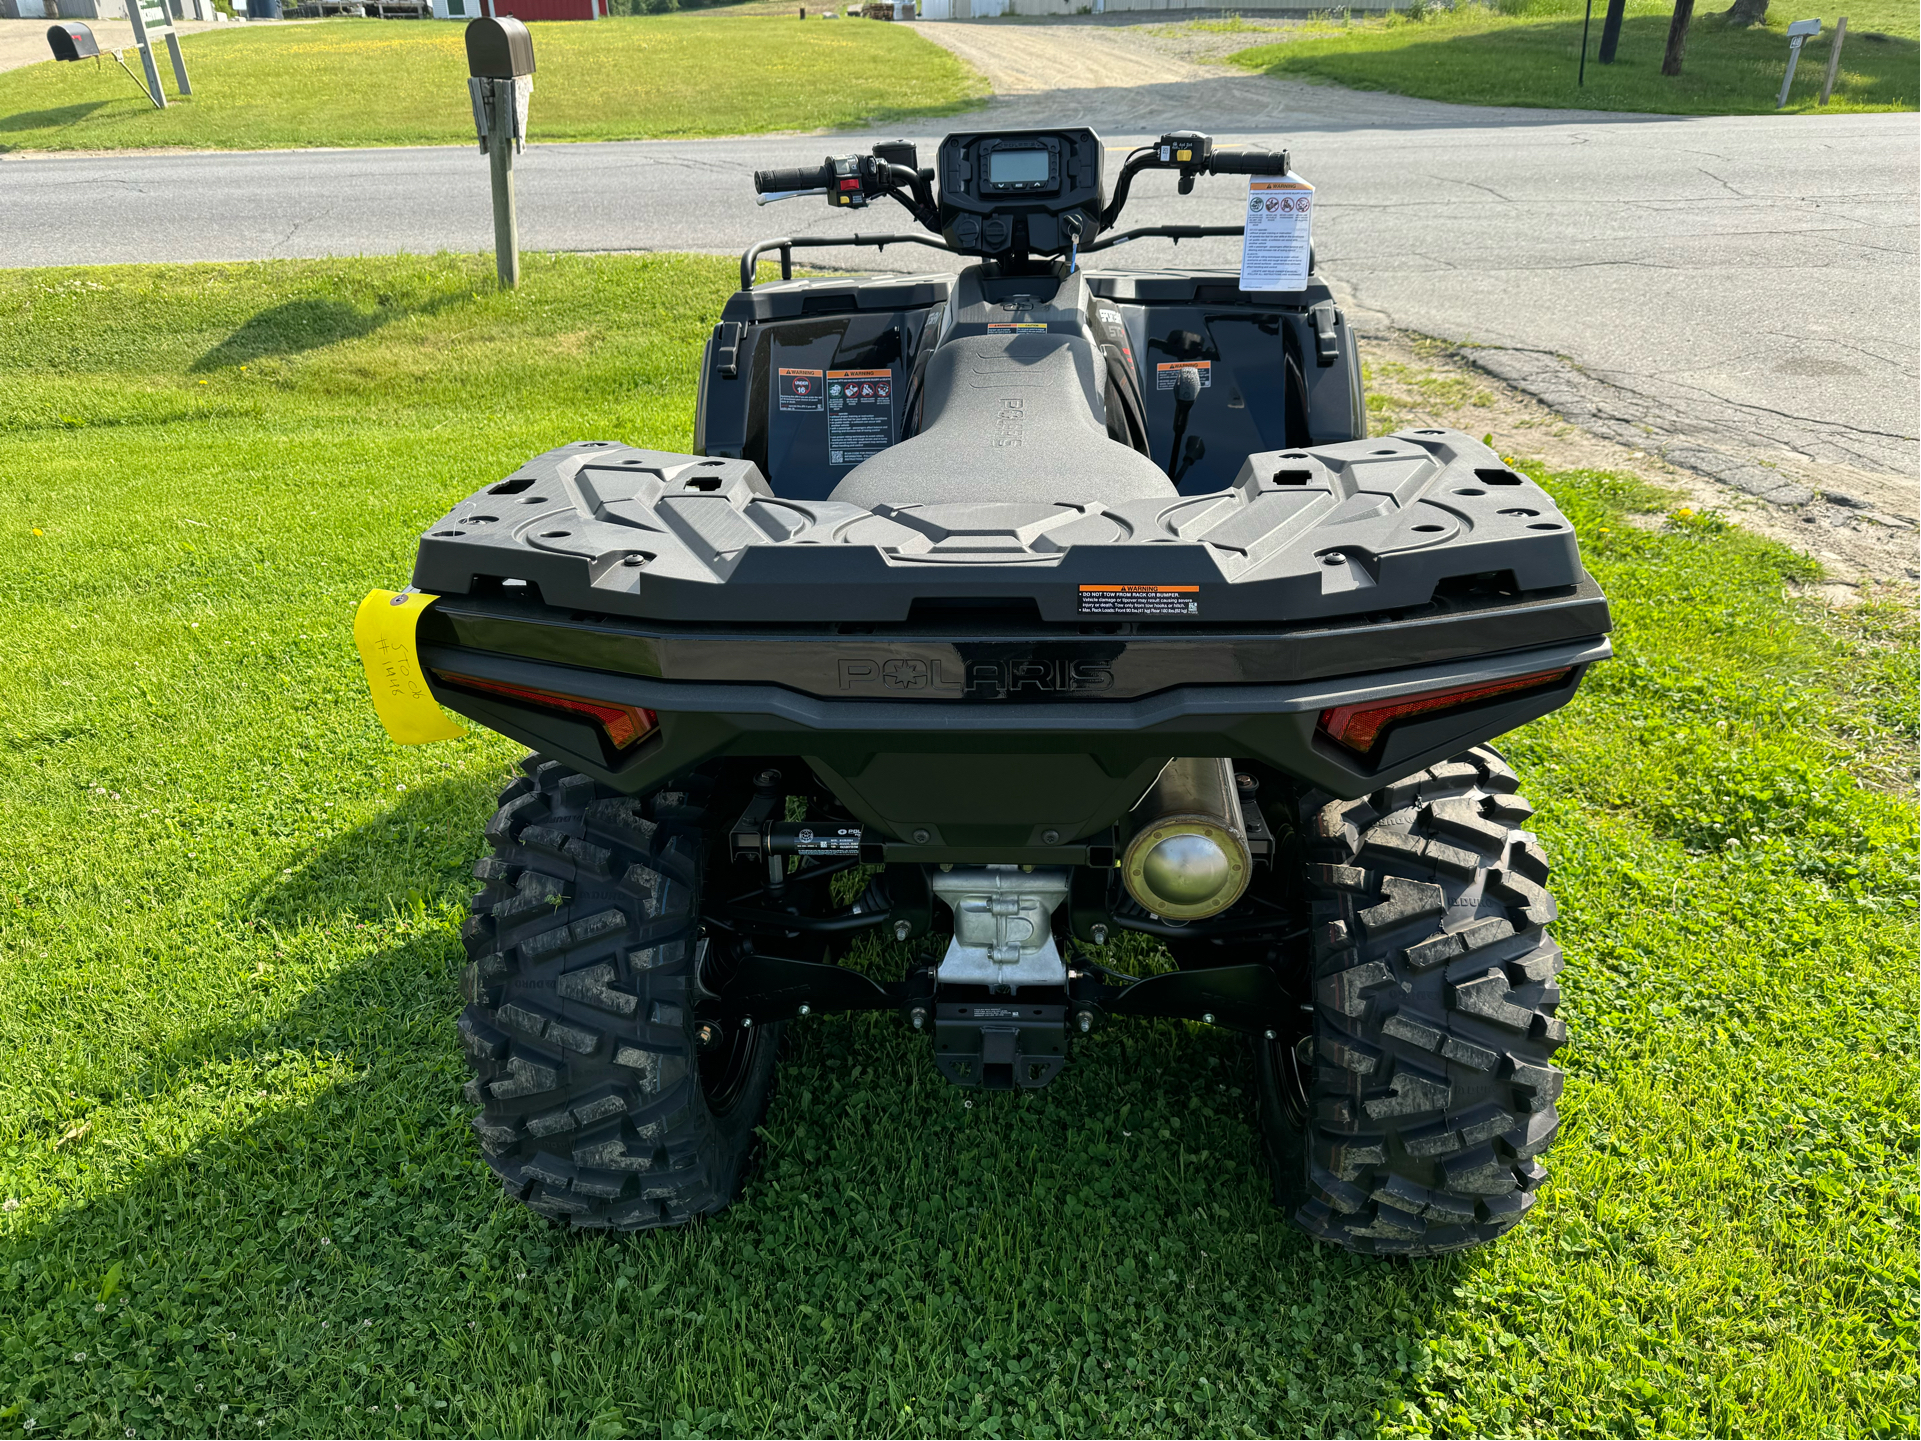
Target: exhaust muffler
x=1186, y=856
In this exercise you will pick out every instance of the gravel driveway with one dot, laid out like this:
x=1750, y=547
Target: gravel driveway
x=1149, y=73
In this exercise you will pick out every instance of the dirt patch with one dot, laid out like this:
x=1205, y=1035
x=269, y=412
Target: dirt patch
x=1413, y=380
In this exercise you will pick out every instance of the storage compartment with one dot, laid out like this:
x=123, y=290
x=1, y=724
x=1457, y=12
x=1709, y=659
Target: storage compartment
x=807, y=378
x=819, y=372
x=1277, y=372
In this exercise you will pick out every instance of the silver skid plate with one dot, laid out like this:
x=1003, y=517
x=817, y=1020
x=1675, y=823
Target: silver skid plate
x=1003, y=926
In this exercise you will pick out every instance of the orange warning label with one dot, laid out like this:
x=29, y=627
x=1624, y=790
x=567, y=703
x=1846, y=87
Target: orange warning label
x=801, y=390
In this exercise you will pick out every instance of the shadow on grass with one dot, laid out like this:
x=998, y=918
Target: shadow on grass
x=42, y=119
x=1100, y=1256
x=305, y=324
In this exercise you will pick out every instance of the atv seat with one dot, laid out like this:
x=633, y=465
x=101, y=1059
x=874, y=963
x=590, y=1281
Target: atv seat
x=1008, y=417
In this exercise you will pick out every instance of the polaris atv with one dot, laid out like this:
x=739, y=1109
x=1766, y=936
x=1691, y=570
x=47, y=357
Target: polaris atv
x=999, y=615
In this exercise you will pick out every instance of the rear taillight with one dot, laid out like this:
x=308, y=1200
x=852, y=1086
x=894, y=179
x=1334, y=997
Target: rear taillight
x=1359, y=727
x=625, y=725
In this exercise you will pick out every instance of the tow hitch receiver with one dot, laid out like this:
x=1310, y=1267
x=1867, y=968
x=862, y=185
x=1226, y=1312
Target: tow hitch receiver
x=1000, y=1043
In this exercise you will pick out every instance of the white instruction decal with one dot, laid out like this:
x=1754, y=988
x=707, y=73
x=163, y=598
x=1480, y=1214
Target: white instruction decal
x=860, y=414
x=1167, y=374
x=1280, y=233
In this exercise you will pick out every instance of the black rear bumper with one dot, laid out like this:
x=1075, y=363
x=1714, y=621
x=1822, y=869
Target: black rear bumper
x=1272, y=722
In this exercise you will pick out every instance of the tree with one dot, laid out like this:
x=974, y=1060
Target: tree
x=1745, y=12
x=1677, y=37
x=1611, y=30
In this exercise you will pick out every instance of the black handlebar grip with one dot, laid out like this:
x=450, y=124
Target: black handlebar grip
x=1248, y=162
x=800, y=177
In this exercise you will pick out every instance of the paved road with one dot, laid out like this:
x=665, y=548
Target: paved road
x=1739, y=292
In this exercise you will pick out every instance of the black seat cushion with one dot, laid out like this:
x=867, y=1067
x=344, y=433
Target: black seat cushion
x=1008, y=417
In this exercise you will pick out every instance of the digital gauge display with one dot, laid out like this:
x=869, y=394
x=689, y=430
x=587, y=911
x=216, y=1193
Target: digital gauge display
x=1017, y=167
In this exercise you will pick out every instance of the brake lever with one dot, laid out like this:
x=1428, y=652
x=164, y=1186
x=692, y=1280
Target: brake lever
x=770, y=197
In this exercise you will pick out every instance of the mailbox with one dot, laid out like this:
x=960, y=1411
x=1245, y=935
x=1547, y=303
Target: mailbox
x=499, y=49
x=71, y=41
x=1802, y=28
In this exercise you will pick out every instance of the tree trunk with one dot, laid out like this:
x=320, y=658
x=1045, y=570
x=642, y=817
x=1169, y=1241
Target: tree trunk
x=1745, y=12
x=1677, y=37
x=1611, y=30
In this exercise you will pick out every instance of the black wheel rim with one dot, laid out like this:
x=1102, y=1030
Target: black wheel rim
x=1290, y=1074
x=727, y=1066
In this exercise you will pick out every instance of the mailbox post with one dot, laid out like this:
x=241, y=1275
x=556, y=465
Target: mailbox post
x=1798, y=34
x=73, y=41
x=500, y=68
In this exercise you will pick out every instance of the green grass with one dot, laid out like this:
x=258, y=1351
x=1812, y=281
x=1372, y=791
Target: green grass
x=1528, y=52
x=240, y=1194
x=372, y=82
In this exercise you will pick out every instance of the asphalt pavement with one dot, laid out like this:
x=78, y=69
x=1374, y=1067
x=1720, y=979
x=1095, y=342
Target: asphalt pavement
x=1739, y=293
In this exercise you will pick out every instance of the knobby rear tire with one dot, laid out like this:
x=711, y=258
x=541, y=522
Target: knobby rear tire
x=1428, y=1086
x=597, y=1107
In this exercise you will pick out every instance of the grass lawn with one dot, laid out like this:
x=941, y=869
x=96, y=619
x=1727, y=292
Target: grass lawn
x=1527, y=52
x=240, y=1195
x=373, y=82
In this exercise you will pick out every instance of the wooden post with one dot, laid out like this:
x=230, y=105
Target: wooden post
x=500, y=160
x=1677, y=37
x=1834, y=58
x=1611, y=30
x=1586, y=20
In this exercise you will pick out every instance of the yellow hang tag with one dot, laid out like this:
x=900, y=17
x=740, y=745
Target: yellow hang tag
x=384, y=633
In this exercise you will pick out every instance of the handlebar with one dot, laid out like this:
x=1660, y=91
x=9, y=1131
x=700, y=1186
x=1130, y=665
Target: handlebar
x=852, y=181
x=1248, y=162
x=1192, y=154
x=796, y=177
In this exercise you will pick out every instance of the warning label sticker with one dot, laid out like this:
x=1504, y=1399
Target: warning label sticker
x=802, y=390
x=1140, y=600
x=1280, y=234
x=860, y=414
x=994, y=325
x=1167, y=374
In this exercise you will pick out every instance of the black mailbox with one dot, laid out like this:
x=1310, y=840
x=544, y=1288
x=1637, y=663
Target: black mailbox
x=76, y=42
x=499, y=49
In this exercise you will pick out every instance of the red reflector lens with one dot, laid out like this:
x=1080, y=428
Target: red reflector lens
x=625, y=724
x=1359, y=727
